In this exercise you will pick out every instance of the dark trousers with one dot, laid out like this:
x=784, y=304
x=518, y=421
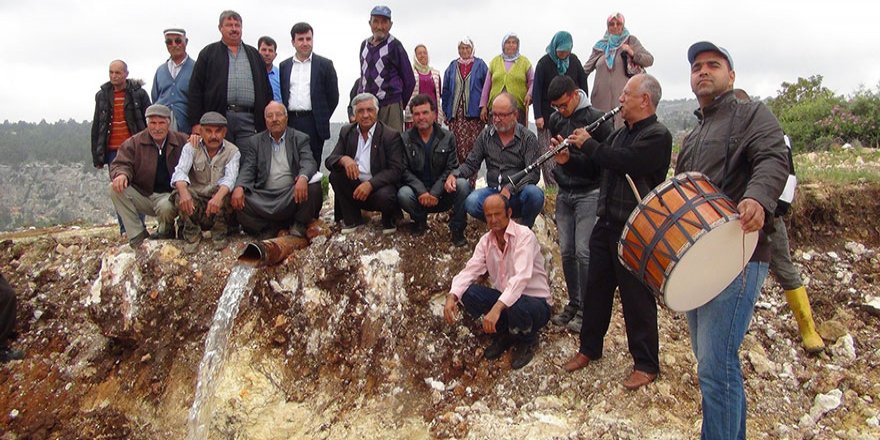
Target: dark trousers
x=383, y=200
x=638, y=302
x=523, y=320
x=7, y=310
x=256, y=219
x=307, y=125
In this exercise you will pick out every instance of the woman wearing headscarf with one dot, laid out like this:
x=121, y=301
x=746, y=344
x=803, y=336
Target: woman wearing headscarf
x=509, y=72
x=463, y=88
x=558, y=61
x=427, y=82
x=615, y=58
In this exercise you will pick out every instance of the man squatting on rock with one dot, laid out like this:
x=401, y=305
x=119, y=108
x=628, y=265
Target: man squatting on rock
x=517, y=306
x=202, y=180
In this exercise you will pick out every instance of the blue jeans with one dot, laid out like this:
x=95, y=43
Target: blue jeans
x=523, y=320
x=575, y=218
x=717, y=331
x=527, y=203
x=409, y=202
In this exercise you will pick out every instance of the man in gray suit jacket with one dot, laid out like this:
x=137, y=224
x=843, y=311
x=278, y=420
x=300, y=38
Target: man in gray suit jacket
x=273, y=190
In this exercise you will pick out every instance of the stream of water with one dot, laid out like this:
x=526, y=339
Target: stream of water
x=199, y=419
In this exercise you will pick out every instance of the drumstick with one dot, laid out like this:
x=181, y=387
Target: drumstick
x=632, y=186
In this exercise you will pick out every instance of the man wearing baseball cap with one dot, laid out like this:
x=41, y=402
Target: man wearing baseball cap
x=141, y=176
x=738, y=145
x=386, y=72
x=202, y=180
x=171, y=81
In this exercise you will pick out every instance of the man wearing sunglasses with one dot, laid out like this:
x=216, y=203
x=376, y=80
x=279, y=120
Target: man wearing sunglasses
x=171, y=81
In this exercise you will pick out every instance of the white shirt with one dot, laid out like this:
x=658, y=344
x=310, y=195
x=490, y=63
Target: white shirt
x=174, y=68
x=362, y=157
x=300, y=84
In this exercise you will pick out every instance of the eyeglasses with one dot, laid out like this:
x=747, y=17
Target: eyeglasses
x=177, y=40
x=502, y=115
x=561, y=105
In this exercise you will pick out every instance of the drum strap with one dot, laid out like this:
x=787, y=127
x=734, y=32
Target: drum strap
x=727, y=148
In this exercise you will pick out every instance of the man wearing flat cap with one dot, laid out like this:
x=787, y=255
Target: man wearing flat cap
x=739, y=146
x=141, y=176
x=171, y=81
x=274, y=190
x=386, y=72
x=202, y=180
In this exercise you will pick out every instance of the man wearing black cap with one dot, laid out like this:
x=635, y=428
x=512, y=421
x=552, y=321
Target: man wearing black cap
x=229, y=77
x=386, y=72
x=202, y=180
x=141, y=176
x=738, y=145
x=171, y=81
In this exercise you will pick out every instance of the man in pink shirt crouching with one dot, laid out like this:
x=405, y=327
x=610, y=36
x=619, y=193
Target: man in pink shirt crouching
x=517, y=305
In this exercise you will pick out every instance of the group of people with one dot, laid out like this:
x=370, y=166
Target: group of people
x=230, y=139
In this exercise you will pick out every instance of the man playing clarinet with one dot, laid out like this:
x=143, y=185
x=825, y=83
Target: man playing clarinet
x=641, y=149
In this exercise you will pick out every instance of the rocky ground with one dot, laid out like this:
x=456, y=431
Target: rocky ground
x=346, y=339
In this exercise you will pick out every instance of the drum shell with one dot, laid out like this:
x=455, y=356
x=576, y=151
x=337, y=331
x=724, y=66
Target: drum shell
x=667, y=222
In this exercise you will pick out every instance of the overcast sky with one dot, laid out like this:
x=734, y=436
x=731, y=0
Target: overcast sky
x=64, y=46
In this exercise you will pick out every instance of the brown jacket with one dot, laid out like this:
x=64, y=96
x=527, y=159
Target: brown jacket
x=137, y=157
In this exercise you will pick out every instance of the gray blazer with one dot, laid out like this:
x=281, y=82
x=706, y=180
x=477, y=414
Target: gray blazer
x=256, y=155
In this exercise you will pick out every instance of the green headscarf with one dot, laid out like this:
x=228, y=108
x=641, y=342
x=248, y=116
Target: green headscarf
x=562, y=42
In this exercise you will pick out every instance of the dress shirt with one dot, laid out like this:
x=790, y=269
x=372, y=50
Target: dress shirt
x=300, y=84
x=515, y=271
x=362, y=157
x=275, y=83
x=184, y=165
x=174, y=68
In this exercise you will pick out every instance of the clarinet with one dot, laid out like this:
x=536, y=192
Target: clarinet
x=516, y=178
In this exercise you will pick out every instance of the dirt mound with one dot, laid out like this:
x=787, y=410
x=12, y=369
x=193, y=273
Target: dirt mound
x=346, y=339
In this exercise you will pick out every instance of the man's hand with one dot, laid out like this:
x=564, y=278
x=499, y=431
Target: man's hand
x=215, y=204
x=301, y=189
x=562, y=156
x=578, y=137
x=450, y=185
x=351, y=167
x=237, y=199
x=450, y=310
x=427, y=200
x=751, y=215
x=527, y=101
x=185, y=202
x=120, y=182
x=194, y=139
x=539, y=123
x=363, y=191
x=505, y=191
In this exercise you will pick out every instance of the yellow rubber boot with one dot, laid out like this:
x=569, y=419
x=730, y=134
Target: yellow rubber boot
x=800, y=308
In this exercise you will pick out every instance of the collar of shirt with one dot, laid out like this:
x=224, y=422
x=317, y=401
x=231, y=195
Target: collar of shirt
x=305, y=61
x=161, y=146
x=222, y=145
x=277, y=145
x=517, y=133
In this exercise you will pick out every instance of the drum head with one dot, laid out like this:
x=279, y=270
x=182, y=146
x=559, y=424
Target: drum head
x=708, y=266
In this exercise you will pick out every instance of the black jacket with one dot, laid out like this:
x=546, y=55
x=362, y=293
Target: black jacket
x=207, y=87
x=579, y=172
x=323, y=90
x=545, y=71
x=256, y=156
x=642, y=151
x=136, y=102
x=386, y=154
x=444, y=160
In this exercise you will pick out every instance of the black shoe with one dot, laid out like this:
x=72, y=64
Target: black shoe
x=137, y=240
x=458, y=238
x=566, y=315
x=389, y=225
x=523, y=352
x=10, y=354
x=162, y=235
x=419, y=228
x=499, y=345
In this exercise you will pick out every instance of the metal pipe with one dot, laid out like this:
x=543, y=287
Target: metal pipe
x=271, y=252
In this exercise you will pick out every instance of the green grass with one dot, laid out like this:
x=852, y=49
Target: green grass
x=838, y=166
